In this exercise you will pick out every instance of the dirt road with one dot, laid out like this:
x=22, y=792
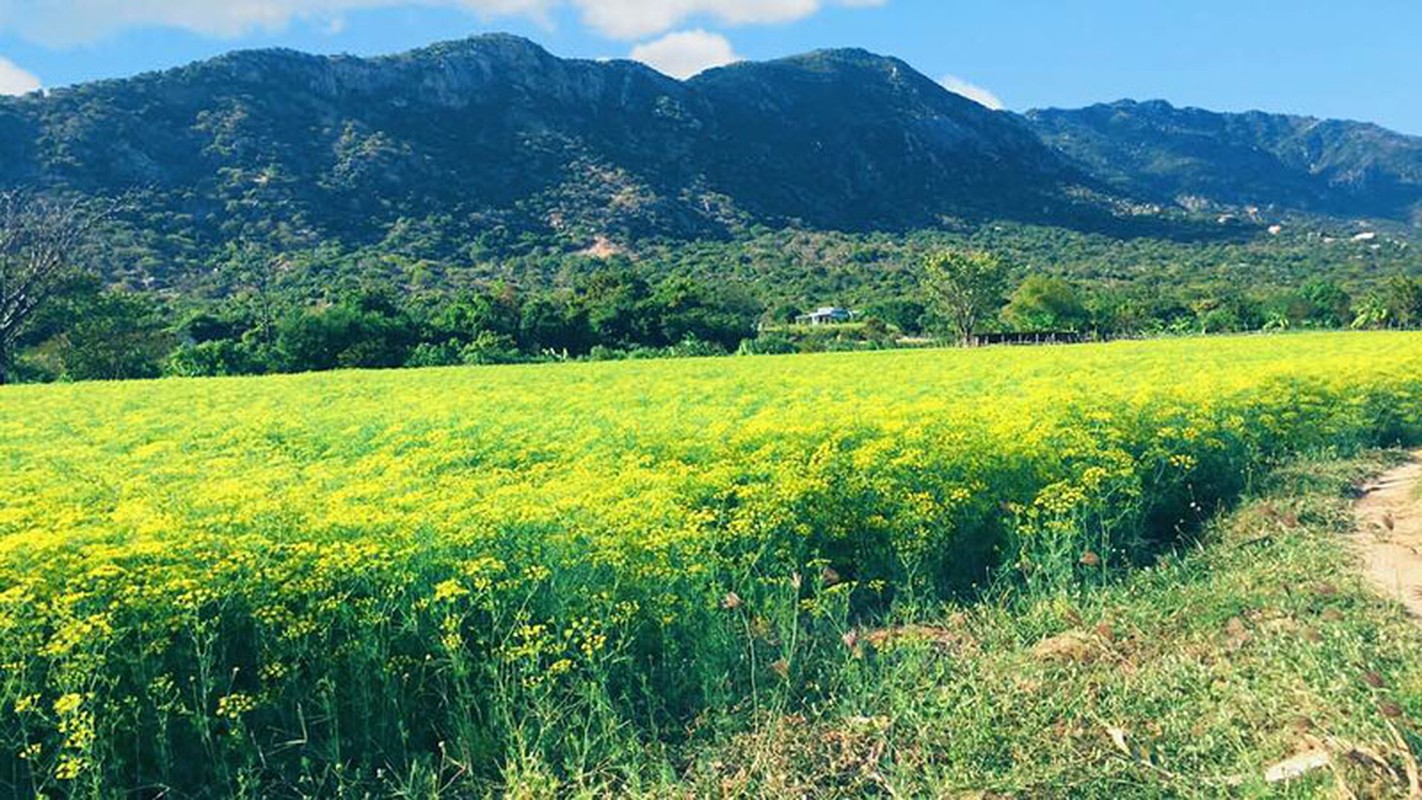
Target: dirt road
x=1390, y=534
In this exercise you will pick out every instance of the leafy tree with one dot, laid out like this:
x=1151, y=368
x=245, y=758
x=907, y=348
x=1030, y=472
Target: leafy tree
x=210, y=325
x=1227, y=312
x=1326, y=304
x=612, y=299
x=1044, y=303
x=902, y=313
x=1403, y=298
x=116, y=336
x=784, y=313
x=1117, y=311
x=1219, y=318
x=435, y=354
x=219, y=357
x=491, y=348
x=1371, y=312
x=363, y=332
x=253, y=273
x=688, y=310
x=965, y=286
x=497, y=309
x=549, y=323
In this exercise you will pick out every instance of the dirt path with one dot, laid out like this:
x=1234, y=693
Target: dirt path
x=1390, y=535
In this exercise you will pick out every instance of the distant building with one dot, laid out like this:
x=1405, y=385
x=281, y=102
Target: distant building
x=825, y=315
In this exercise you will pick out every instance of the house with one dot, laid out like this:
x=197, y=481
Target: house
x=825, y=315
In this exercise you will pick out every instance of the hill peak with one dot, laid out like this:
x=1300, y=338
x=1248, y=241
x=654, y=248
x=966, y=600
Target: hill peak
x=505, y=45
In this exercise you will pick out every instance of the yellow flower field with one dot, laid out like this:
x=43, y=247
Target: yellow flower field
x=211, y=582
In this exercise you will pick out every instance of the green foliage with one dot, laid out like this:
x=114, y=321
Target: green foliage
x=115, y=336
x=965, y=286
x=557, y=305
x=359, y=333
x=88, y=334
x=489, y=347
x=1114, y=691
x=1325, y=303
x=689, y=310
x=905, y=313
x=217, y=358
x=1404, y=300
x=870, y=334
x=1044, y=303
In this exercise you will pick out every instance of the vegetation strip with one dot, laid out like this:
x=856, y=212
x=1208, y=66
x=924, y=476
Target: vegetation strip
x=1258, y=664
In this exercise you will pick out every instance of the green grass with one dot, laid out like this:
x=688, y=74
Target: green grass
x=1218, y=662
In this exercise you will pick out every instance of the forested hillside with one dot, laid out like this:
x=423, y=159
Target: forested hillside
x=483, y=200
x=474, y=148
x=1279, y=163
x=486, y=149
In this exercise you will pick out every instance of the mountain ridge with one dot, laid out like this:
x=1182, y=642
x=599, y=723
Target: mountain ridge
x=495, y=139
x=465, y=149
x=1166, y=153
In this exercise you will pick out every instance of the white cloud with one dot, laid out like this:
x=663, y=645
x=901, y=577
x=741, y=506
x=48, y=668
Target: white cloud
x=14, y=80
x=70, y=22
x=685, y=53
x=633, y=19
x=972, y=91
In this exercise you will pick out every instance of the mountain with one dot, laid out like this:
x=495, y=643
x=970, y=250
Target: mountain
x=1196, y=158
x=493, y=141
x=851, y=140
x=476, y=151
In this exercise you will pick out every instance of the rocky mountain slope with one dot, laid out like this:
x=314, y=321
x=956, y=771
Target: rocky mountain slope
x=468, y=150
x=493, y=138
x=1193, y=157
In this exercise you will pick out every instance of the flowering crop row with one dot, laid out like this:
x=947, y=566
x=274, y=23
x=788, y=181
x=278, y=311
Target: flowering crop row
x=219, y=582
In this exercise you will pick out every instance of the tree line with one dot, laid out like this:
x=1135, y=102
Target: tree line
x=59, y=321
x=972, y=291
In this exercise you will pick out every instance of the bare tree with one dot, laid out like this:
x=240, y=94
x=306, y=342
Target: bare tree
x=965, y=286
x=40, y=241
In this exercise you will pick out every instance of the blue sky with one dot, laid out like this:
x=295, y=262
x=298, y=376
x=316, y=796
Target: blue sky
x=1321, y=57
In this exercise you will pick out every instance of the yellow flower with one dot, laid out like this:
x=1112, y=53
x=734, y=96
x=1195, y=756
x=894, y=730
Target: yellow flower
x=68, y=704
x=70, y=767
x=449, y=590
x=234, y=705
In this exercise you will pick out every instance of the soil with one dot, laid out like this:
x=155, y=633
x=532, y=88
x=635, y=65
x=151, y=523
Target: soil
x=1390, y=535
